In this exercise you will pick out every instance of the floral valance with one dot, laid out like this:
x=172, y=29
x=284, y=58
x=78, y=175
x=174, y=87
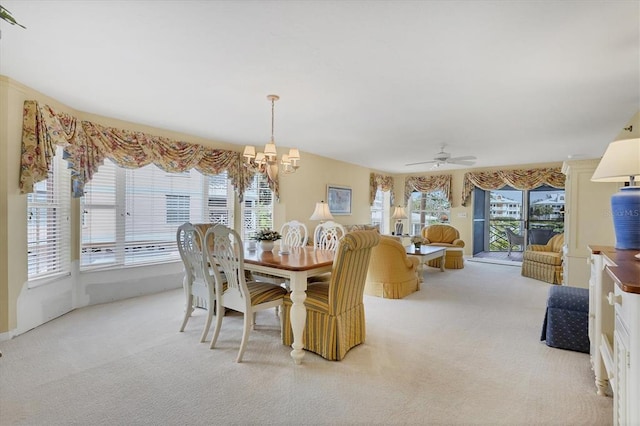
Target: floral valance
x=517, y=179
x=384, y=182
x=87, y=144
x=427, y=184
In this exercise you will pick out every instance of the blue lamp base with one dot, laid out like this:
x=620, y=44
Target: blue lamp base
x=625, y=208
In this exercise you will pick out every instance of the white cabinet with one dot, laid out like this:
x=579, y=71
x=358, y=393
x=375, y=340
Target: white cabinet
x=600, y=320
x=614, y=288
x=587, y=218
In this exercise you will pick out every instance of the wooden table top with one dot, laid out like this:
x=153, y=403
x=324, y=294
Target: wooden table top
x=298, y=259
x=626, y=273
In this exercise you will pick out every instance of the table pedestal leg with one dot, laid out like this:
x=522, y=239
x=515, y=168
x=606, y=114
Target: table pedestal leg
x=298, y=314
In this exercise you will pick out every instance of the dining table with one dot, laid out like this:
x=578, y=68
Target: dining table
x=296, y=265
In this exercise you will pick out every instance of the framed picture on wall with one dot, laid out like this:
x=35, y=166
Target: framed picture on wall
x=339, y=199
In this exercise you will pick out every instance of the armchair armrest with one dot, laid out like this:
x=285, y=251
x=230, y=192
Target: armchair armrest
x=413, y=262
x=538, y=247
x=458, y=242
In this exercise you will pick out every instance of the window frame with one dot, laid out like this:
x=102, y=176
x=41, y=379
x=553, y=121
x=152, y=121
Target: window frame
x=442, y=213
x=122, y=191
x=57, y=196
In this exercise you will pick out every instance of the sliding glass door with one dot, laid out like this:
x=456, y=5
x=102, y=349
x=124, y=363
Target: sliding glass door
x=535, y=215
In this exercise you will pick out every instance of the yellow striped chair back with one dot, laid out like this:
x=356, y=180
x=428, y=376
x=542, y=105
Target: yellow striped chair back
x=335, y=320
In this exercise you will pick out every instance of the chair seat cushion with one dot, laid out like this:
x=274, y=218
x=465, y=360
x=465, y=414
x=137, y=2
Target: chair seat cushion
x=566, y=297
x=317, y=297
x=546, y=257
x=264, y=292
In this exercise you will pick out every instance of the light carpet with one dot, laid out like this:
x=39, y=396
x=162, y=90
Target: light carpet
x=465, y=349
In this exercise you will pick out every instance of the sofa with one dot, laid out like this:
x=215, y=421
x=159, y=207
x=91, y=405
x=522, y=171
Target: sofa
x=361, y=227
x=445, y=236
x=544, y=262
x=392, y=274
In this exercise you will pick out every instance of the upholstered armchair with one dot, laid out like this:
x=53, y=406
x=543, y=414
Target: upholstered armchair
x=392, y=273
x=445, y=236
x=544, y=262
x=335, y=310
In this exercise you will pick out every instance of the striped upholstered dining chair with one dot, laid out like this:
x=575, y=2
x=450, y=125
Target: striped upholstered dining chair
x=335, y=309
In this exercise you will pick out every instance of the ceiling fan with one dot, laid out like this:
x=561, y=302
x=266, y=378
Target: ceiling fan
x=442, y=158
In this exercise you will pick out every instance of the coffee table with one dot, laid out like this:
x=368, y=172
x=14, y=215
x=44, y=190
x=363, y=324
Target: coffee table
x=427, y=253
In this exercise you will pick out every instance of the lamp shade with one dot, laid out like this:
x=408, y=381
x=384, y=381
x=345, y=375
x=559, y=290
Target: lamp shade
x=321, y=212
x=270, y=150
x=399, y=213
x=621, y=163
x=249, y=151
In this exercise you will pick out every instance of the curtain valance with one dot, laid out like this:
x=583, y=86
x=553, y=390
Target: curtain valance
x=427, y=184
x=87, y=144
x=384, y=182
x=517, y=179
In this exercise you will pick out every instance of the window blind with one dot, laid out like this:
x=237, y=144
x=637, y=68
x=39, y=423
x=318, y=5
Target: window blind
x=48, y=229
x=130, y=216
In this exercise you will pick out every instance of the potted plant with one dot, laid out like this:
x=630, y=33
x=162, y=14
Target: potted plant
x=418, y=241
x=266, y=238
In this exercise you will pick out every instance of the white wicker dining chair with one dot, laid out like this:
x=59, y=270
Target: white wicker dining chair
x=198, y=283
x=240, y=295
x=327, y=235
x=294, y=234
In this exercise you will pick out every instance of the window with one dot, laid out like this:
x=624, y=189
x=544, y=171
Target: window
x=380, y=210
x=48, y=231
x=427, y=208
x=257, y=209
x=220, y=200
x=130, y=216
x=177, y=209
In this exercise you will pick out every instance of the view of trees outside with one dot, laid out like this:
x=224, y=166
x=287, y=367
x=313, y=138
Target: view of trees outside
x=427, y=208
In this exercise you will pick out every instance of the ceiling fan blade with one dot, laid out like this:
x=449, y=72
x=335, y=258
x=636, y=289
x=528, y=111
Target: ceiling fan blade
x=464, y=158
x=462, y=162
x=421, y=162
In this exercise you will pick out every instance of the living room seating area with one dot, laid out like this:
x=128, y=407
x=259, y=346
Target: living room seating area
x=445, y=236
x=544, y=262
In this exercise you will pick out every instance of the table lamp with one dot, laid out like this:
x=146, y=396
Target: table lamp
x=399, y=214
x=321, y=212
x=621, y=163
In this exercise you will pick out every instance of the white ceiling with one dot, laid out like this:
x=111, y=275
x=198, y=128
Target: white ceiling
x=374, y=83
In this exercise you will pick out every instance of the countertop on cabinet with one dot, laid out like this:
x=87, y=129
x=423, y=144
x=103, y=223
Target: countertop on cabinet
x=626, y=271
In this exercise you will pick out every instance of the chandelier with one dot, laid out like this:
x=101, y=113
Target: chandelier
x=269, y=158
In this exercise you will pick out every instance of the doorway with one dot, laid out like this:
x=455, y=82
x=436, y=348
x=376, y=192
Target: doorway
x=532, y=215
